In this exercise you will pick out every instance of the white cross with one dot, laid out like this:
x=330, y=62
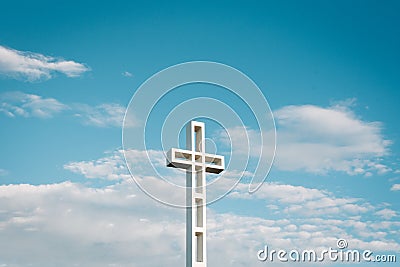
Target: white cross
x=197, y=163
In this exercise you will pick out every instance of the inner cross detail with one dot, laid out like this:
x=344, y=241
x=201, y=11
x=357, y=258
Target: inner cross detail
x=196, y=163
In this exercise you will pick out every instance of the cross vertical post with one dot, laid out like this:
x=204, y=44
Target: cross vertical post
x=196, y=163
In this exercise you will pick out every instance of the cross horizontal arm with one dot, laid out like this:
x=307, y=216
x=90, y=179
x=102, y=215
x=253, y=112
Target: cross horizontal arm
x=183, y=159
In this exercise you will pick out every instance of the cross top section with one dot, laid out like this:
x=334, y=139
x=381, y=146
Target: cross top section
x=195, y=152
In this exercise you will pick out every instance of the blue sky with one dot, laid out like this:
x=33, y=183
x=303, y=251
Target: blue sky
x=329, y=70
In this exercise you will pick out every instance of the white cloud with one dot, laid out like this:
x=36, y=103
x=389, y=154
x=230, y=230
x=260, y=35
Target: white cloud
x=15, y=104
x=104, y=115
x=386, y=213
x=111, y=167
x=127, y=74
x=34, y=66
x=317, y=139
x=303, y=201
x=395, y=187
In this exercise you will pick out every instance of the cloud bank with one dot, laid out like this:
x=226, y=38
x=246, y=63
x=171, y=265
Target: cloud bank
x=120, y=226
